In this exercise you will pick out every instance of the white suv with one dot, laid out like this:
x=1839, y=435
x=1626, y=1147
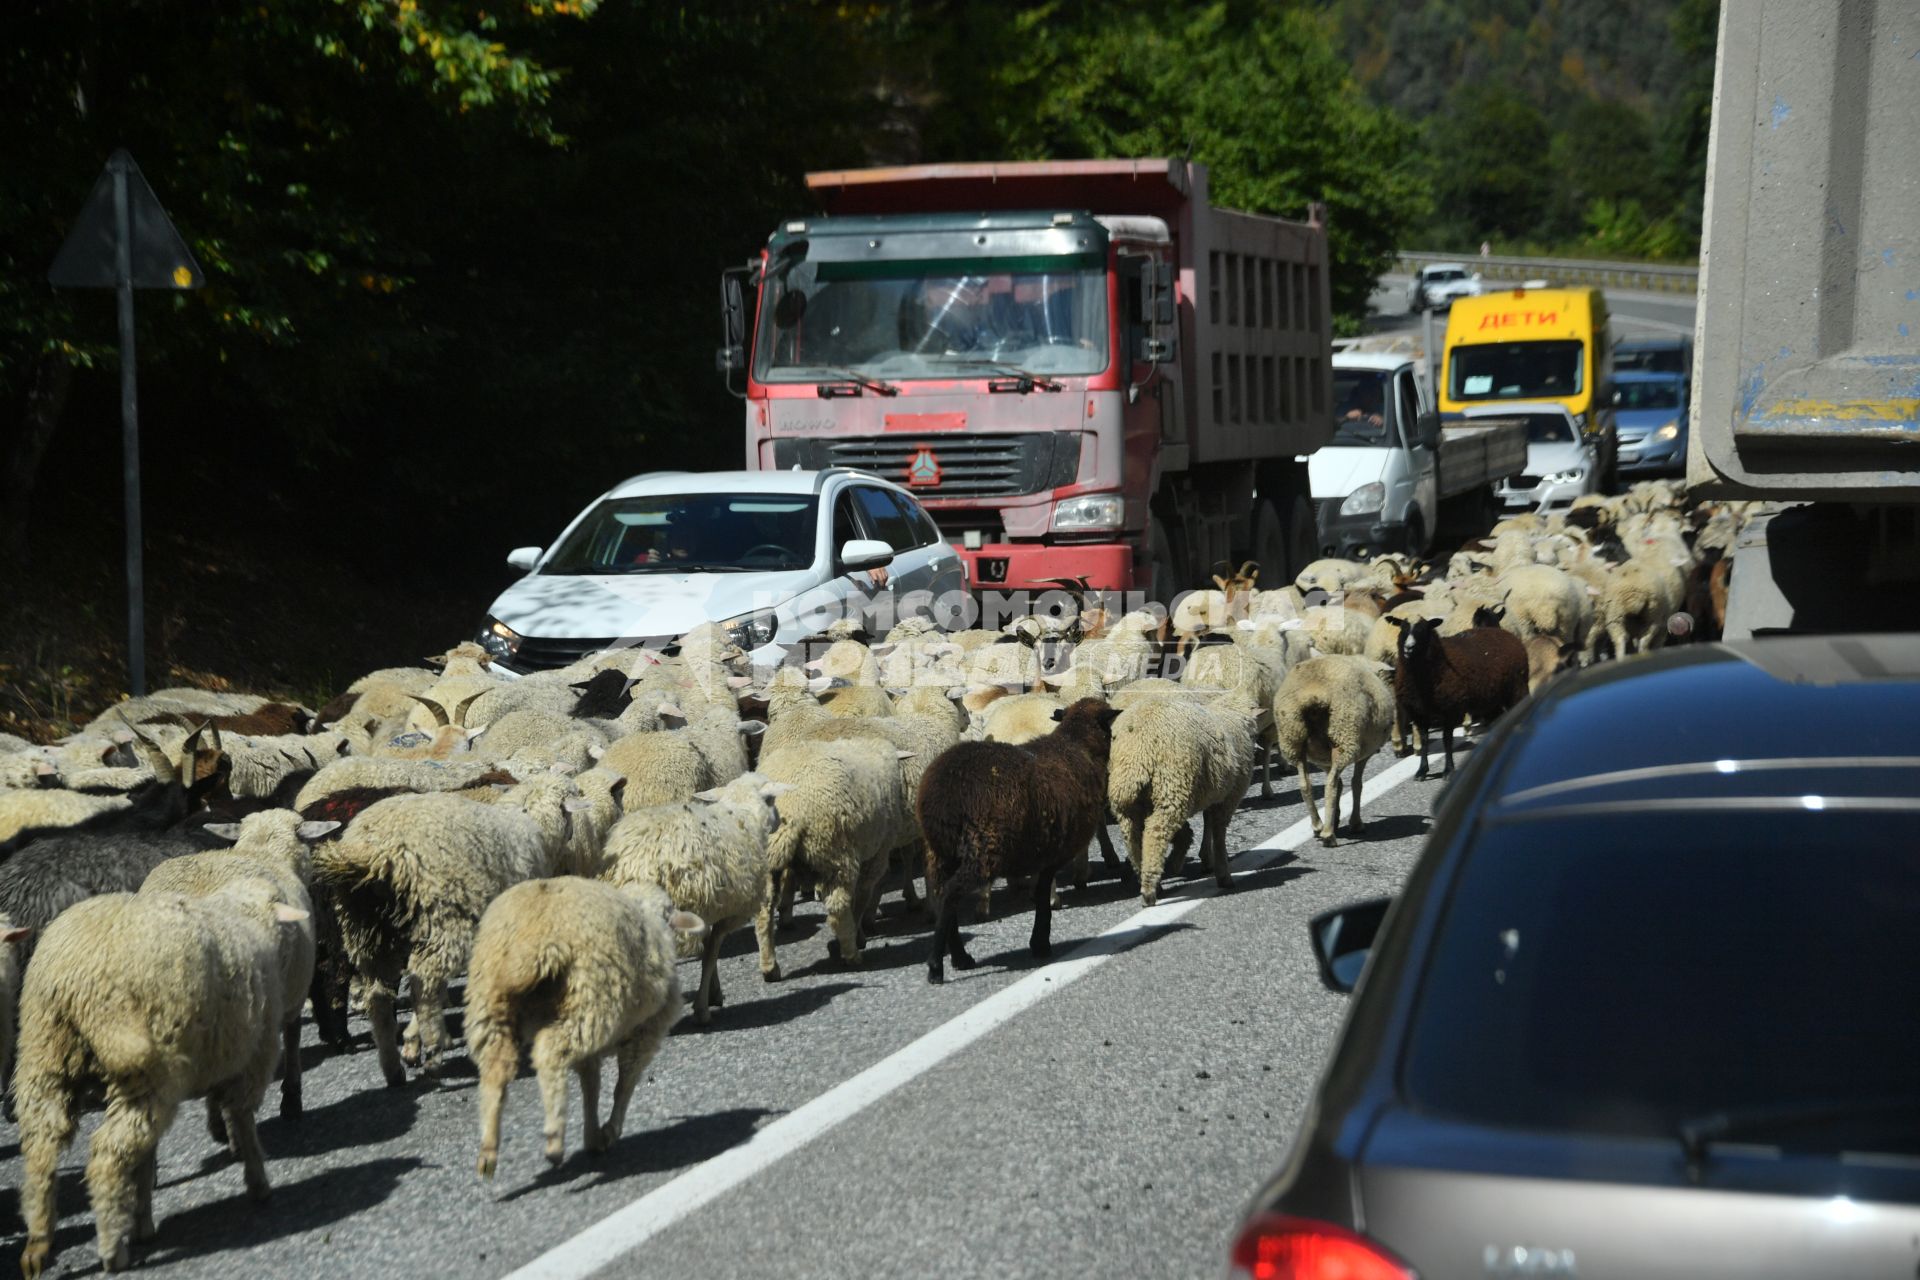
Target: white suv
x=774, y=555
x=1437, y=284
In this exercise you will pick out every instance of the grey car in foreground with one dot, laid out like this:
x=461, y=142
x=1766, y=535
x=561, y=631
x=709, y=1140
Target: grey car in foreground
x=1649, y=1003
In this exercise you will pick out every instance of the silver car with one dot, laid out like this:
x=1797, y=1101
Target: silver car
x=1649, y=1003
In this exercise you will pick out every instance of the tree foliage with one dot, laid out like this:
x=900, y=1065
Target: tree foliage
x=1257, y=92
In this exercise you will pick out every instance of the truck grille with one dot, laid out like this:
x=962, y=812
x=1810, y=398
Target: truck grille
x=971, y=466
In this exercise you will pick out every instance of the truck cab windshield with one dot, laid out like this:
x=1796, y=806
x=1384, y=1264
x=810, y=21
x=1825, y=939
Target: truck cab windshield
x=900, y=320
x=1360, y=412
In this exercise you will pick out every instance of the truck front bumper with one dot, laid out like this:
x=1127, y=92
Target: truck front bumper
x=1028, y=566
x=1357, y=537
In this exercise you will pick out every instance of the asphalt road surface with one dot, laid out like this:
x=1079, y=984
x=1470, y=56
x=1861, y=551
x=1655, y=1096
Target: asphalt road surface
x=1111, y=1109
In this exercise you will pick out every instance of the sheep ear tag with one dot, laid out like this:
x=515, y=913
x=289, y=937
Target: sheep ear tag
x=311, y=831
x=222, y=830
x=288, y=915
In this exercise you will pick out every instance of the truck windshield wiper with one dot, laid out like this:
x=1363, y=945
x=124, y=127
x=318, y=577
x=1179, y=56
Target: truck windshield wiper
x=828, y=390
x=1021, y=380
x=1701, y=1132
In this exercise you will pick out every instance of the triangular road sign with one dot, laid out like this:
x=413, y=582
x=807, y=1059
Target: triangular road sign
x=160, y=257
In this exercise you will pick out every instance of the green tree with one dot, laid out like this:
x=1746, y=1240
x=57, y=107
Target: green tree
x=1490, y=154
x=267, y=130
x=1256, y=92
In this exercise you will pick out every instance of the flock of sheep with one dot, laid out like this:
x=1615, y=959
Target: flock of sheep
x=181, y=877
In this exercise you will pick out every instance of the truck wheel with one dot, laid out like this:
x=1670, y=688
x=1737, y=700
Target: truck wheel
x=1303, y=538
x=1416, y=534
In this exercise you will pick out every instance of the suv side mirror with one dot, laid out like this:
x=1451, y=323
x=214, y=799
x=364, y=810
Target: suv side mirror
x=1343, y=939
x=864, y=553
x=524, y=558
x=1427, y=429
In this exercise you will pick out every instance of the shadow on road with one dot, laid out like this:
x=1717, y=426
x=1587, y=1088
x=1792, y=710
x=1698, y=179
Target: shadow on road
x=325, y=1198
x=753, y=1007
x=689, y=1140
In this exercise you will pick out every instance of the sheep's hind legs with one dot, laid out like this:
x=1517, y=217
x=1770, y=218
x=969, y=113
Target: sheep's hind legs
x=593, y=1137
x=1040, y=941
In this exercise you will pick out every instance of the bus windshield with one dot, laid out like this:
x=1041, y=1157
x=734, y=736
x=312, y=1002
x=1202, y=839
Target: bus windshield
x=923, y=319
x=1516, y=370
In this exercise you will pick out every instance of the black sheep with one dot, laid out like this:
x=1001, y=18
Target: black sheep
x=988, y=809
x=1444, y=680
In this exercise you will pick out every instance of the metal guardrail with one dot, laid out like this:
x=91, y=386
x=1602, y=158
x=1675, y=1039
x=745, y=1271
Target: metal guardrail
x=1662, y=277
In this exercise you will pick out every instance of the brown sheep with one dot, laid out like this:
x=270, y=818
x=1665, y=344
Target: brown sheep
x=1444, y=680
x=988, y=809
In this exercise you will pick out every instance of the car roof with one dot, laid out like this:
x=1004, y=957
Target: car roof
x=1445, y=266
x=1795, y=716
x=1383, y=361
x=655, y=483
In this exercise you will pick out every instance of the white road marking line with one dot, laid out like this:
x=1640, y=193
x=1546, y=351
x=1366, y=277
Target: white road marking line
x=624, y=1230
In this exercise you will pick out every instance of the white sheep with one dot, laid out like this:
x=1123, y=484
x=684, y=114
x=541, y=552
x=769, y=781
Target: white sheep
x=197, y=1009
x=354, y=772
x=844, y=812
x=410, y=879
x=1545, y=600
x=1173, y=758
x=709, y=854
x=611, y=950
x=270, y=845
x=1332, y=712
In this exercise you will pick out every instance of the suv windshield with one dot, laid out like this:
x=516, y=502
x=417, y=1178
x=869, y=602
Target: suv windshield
x=1646, y=395
x=1516, y=370
x=909, y=319
x=1621, y=974
x=1439, y=276
x=691, y=533
x=1661, y=359
x=1360, y=412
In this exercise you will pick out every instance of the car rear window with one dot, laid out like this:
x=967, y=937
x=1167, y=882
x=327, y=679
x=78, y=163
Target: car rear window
x=1621, y=974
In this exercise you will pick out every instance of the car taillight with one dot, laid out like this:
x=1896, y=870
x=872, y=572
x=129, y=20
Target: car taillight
x=1273, y=1246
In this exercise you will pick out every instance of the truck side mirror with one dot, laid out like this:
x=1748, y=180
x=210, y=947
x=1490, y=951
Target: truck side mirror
x=731, y=358
x=1427, y=429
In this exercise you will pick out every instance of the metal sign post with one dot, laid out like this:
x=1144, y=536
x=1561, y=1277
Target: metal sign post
x=123, y=240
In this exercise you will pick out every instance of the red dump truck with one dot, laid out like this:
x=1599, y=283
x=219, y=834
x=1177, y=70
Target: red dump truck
x=1081, y=368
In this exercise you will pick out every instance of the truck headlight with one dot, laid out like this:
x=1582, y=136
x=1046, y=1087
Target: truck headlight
x=1093, y=511
x=751, y=630
x=1365, y=500
x=1668, y=432
x=497, y=638
x=1565, y=477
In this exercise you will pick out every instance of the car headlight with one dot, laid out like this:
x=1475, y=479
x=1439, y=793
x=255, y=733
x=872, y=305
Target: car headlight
x=1580, y=422
x=751, y=630
x=1093, y=511
x=498, y=639
x=1364, y=500
x=1668, y=432
x=1565, y=477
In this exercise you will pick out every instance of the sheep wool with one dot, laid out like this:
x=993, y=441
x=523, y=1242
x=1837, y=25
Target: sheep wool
x=709, y=855
x=163, y=998
x=1332, y=712
x=841, y=816
x=410, y=879
x=610, y=950
x=1174, y=758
